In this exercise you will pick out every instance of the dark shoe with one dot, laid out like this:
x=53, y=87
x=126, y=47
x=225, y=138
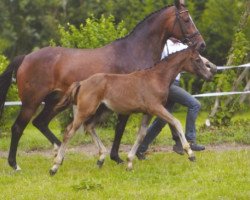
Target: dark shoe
x=177, y=148
x=196, y=147
x=140, y=155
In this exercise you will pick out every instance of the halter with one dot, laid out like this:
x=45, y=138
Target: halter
x=186, y=38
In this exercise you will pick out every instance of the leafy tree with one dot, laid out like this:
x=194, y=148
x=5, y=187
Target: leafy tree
x=217, y=26
x=238, y=79
x=27, y=24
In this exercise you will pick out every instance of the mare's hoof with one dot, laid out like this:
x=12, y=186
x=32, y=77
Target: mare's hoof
x=117, y=159
x=52, y=172
x=18, y=169
x=100, y=163
x=14, y=166
x=192, y=158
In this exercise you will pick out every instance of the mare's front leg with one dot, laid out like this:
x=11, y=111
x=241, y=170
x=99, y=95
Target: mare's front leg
x=161, y=112
x=140, y=136
x=119, y=130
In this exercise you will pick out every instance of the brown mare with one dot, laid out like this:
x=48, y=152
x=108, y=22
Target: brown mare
x=46, y=74
x=147, y=91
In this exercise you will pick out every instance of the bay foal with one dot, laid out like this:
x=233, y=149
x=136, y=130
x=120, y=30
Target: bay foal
x=143, y=91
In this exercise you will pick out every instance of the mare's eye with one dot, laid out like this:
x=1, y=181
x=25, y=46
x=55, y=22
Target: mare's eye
x=186, y=19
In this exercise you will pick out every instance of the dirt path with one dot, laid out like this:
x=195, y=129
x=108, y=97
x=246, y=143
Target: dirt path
x=90, y=149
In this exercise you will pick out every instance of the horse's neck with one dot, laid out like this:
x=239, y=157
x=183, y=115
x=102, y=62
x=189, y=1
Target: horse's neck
x=168, y=69
x=145, y=43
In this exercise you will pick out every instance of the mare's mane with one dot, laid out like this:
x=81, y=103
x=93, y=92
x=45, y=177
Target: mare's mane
x=142, y=21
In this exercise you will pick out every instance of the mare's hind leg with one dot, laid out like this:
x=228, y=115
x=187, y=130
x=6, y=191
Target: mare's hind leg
x=43, y=119
x=102, y=149
x=119, y=130
x=21, y=122
x=140, y=136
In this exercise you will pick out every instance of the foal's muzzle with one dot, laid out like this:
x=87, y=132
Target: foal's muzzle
x=212, y=67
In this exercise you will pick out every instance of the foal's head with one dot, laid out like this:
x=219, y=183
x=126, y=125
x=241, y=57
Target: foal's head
x=195, y=65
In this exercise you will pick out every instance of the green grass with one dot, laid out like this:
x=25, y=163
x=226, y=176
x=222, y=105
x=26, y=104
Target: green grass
x=238, y=132
x=215, y=175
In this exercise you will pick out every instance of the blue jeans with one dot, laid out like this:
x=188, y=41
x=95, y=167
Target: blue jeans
x=176, y=95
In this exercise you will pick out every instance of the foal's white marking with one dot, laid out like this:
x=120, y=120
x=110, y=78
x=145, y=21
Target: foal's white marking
x=107, y=103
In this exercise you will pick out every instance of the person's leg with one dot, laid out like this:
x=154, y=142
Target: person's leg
x=179, y=95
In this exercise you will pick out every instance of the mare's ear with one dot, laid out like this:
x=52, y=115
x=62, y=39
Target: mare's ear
x=178, y=3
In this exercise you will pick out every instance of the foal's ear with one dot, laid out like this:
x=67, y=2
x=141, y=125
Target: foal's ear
x=178, y=3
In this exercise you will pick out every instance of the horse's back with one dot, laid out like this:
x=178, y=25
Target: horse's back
x=52, y=68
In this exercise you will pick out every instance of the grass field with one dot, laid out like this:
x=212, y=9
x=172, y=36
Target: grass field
x=223, y=174
x=215, y=175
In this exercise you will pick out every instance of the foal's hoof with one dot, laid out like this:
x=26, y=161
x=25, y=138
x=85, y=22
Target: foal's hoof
x=52, y=172
x=100, y=163
x=192, y=158
x=129, y=169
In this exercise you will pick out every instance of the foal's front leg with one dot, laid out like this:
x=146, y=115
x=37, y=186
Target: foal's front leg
x=161, y=112
x=140, y=136
x=102, y=149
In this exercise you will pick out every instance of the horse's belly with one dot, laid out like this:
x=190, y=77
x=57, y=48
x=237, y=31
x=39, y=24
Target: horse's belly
x=120, y=107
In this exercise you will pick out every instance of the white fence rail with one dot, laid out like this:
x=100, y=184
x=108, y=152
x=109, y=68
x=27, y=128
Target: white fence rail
x=19, y=103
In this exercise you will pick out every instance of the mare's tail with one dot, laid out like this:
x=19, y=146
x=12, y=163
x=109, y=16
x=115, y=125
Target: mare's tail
x=6, y=79
x=69, y=97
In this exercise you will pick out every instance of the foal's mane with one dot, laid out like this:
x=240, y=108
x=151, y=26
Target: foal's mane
x=142, y=21
x=166, y=58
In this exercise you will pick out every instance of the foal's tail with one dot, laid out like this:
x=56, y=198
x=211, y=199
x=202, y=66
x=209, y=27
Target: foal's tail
x=6, y=78
x=69, y=97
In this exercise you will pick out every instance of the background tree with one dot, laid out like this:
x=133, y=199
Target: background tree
x=234, y=80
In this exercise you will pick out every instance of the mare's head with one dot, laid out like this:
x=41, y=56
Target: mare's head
x=196, y=65
x=183, y=27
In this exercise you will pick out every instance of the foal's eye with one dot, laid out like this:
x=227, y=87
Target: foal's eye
x=198, y=60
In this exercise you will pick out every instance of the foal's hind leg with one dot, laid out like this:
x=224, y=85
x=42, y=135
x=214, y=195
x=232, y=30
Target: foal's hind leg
x=140, y=136
x=102, y=149
x=19, y=125
x=70, y=131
